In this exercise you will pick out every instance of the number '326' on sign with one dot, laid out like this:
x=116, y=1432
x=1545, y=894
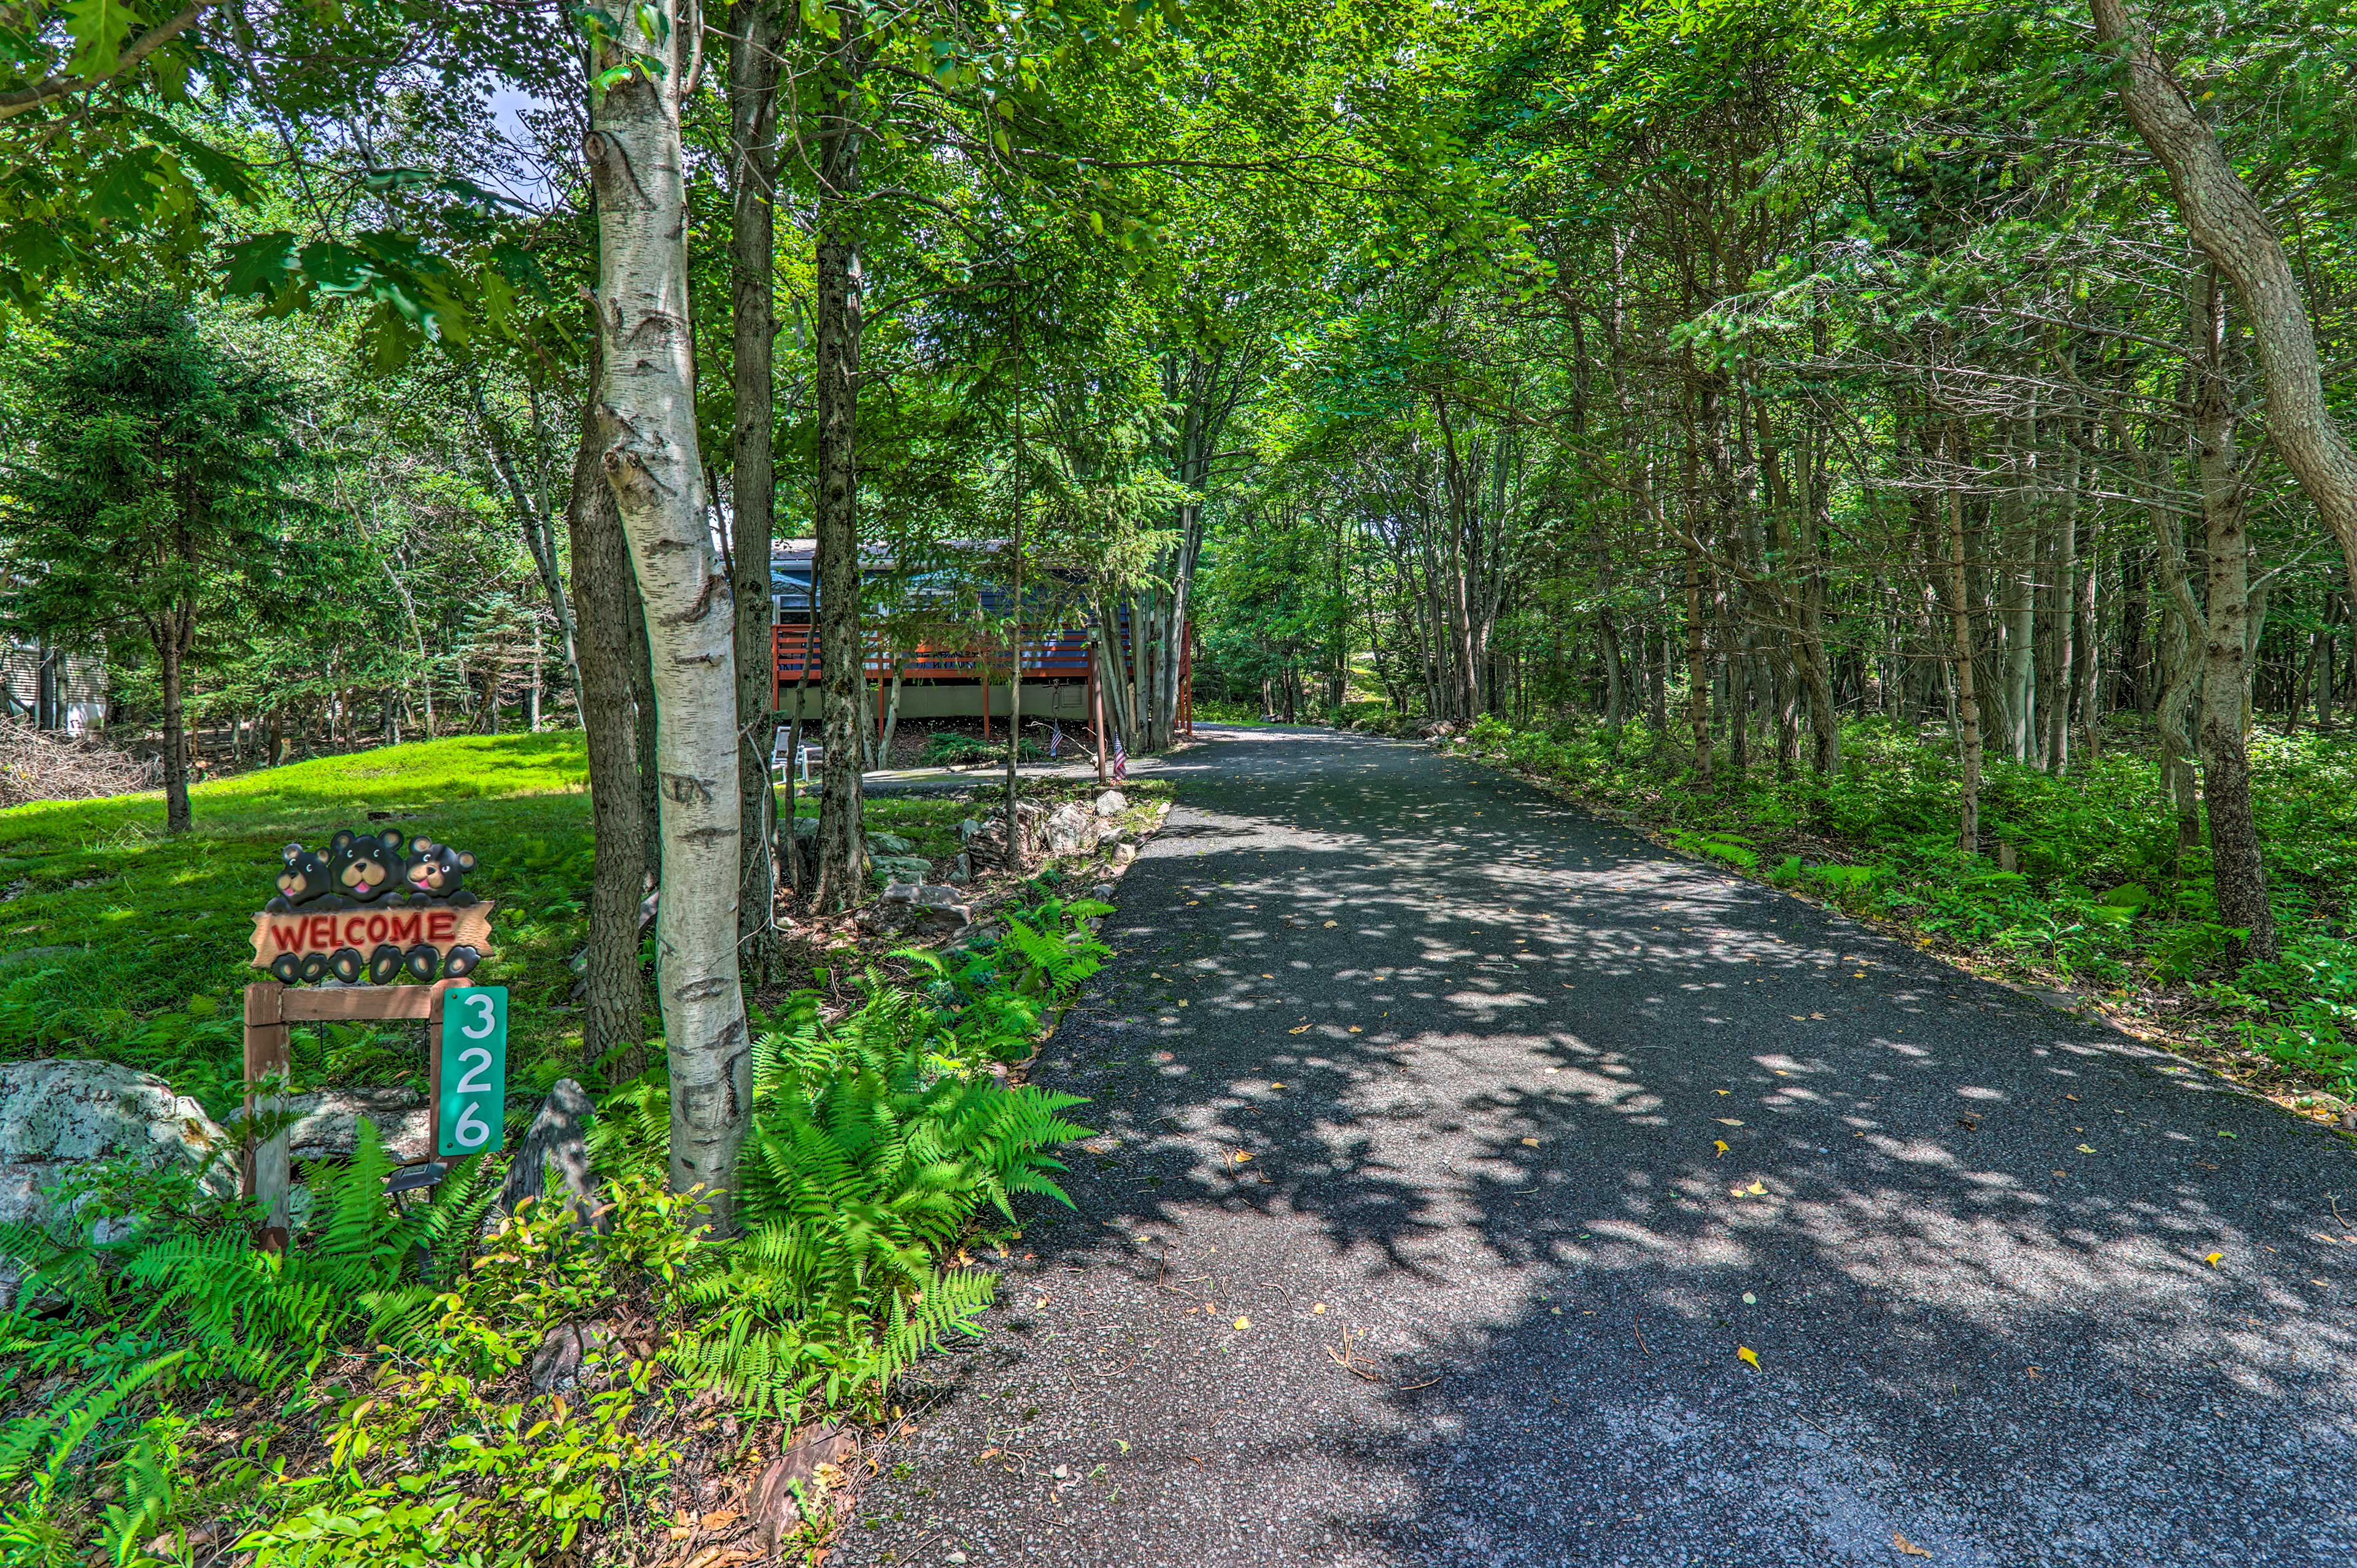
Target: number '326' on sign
x=474, y=1100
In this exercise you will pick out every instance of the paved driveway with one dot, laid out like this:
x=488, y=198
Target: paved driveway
x=1405, y=1065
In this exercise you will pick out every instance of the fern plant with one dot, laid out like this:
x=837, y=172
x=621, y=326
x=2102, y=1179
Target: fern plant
x=36, y=1455
x=868, y=1159
x=254, y=1314
x=1005, y=989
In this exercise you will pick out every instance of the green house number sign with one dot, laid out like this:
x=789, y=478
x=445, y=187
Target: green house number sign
x=474, y=1069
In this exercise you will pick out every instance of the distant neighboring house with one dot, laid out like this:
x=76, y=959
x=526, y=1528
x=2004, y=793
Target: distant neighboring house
x=53, y=689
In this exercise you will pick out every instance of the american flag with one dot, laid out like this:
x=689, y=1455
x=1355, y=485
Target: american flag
x=1055, y=739
x=1120, y=759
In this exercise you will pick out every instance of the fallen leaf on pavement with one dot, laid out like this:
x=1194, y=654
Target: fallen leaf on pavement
x=1241, y=1157
x=2223, y=1133
x=2086, y=1148
x=2212, y=1258
x=1758, y=1189
x=1730, y=1120
x=1243, y=1323
x=1532, y=1142
x=1330, y=922
x=1303, y=1030
x=1747, y=1355
x=1906, y=1547
x=1720, y=1144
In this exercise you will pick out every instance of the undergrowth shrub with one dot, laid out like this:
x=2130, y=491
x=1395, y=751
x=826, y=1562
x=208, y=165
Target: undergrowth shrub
x=870, y=1154
x=446, y=1458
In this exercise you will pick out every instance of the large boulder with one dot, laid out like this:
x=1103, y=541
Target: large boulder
x=326, y=1122
x=881, y=844
x=1071, y=829
x=1112, y=803
x=928, y=906
x=62, y=1115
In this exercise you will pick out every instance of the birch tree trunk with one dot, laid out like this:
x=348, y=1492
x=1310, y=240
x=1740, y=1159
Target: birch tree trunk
x=2064, y=613
x=753, y=253
x=1697, y=655
x=646, y=412
x=2227, y=223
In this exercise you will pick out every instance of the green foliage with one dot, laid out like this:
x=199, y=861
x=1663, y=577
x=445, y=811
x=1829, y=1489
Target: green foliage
x=1006, y=986
x=869, y=1156
x=438, y=1463
x=37, y=1452
x=361, y=1278
x=1732, y=849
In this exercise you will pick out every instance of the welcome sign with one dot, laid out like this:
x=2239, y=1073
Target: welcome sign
x=301, y=935
x=378, y=906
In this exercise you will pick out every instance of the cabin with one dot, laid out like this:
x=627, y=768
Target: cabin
x=928, y=616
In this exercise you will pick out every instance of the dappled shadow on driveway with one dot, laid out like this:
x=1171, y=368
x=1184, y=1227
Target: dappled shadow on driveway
x=1499, y=1131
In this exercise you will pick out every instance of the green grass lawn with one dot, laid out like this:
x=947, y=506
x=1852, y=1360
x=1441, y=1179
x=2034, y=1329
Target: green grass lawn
x=118, y=942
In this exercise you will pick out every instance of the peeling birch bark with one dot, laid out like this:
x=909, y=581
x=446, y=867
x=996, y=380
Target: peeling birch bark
x=646, y=410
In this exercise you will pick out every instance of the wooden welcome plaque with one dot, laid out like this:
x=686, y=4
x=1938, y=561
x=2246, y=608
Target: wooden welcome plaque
x=304, y=933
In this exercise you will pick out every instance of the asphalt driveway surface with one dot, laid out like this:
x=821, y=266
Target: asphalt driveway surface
x=1409, y=1236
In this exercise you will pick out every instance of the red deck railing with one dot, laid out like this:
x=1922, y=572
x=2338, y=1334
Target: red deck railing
x=1062, y=653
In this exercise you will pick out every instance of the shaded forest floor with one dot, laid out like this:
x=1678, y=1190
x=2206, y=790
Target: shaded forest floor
x=2101, y=910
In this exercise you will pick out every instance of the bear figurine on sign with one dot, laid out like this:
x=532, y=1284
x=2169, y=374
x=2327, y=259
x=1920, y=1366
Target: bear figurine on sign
x=364, y=865
x=374, y=908
x=306, y=878
x=435, y=871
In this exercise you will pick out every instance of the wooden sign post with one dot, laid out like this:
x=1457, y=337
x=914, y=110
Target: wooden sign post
x=312, y=932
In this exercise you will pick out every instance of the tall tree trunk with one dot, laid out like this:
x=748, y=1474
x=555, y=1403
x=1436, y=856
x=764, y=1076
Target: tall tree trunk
x=2229, y=227
x=2064, y=599
x=1697, y=653
x=839, y=309
x=612, y=1015
x=2086, y=642
x=753, y=253
x=177, y=628
x=2236, y=868
x=642, y=727
x=647, y=421
x=1960, y=630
